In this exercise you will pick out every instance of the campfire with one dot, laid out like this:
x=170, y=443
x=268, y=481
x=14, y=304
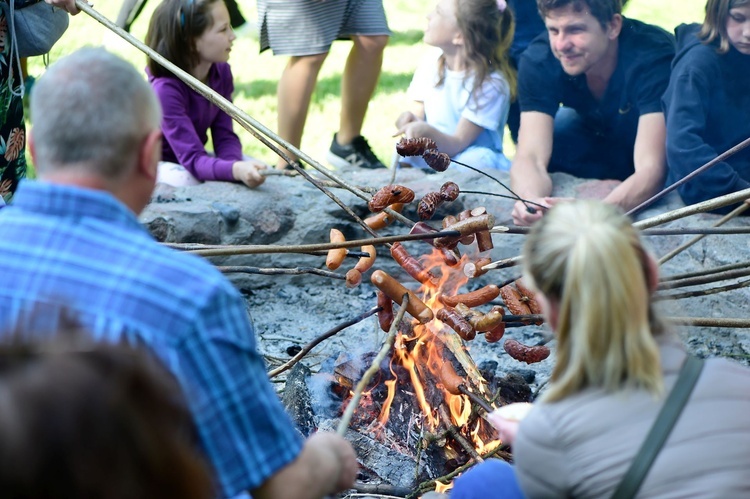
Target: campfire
x=426, y=398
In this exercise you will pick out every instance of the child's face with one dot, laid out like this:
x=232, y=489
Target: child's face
x=215, y=43
x=738, y=28
x=442, y=28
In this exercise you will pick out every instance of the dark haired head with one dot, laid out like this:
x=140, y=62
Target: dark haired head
x=601, y=10
x=174, y=27
x=83, y=420
x=715, y=23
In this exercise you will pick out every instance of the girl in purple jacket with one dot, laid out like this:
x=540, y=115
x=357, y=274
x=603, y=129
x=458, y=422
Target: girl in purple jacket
x=197, y=37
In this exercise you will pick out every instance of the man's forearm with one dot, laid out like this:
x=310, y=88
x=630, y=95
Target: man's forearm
x=634, y=190
x=529, y=181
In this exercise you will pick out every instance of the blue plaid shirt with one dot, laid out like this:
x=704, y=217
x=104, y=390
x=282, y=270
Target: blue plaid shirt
x=82, y=251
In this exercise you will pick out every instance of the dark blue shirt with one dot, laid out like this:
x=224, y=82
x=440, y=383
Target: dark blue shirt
x=644, y=56
x=81, y=251
x=707, y=107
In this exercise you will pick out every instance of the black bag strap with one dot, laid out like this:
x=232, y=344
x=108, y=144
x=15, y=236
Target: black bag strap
x=662, y=427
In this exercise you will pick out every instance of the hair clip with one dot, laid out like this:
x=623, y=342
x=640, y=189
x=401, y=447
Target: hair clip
x=189, y=3
x=502, y=5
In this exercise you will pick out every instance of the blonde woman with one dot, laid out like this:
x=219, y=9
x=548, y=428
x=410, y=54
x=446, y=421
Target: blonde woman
x=615, y=364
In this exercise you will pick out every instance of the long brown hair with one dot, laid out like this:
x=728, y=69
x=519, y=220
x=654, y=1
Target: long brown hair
x=488, y=34
x=715, y=23
x=174, y=26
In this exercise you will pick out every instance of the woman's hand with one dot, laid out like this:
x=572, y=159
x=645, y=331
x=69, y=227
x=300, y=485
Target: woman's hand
x=68, y=6
x=248, y=172
x=506, y=428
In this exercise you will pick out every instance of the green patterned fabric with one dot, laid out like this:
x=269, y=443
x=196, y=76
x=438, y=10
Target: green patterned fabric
x=12, y=126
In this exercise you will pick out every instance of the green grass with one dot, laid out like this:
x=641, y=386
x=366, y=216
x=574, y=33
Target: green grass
x=256, y=74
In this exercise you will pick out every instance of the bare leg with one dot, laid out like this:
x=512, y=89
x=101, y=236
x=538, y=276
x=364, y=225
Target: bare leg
x=358, y=84
x=294, y=93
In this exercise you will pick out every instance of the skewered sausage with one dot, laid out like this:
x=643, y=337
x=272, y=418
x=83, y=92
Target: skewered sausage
x=474, y=298
x=335, y=257
x=415, y=146
x=383, y=219
x=438, y=161
x=411, y=265
x=525, y=353
x=396, y=291
x=456, y=322
x=385, y=316
x=388, y=195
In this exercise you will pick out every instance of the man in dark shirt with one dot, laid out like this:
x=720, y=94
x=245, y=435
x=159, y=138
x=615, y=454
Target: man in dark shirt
x=590, y=91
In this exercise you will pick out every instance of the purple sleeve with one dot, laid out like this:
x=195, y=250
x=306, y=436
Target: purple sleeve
x=181, y=134
x=226, y=143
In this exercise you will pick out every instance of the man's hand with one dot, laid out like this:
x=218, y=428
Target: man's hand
x=346, y=458
x=248, y=172
x=521, y=215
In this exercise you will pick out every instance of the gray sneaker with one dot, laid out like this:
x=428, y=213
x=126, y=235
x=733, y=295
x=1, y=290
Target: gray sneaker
x=358, y=153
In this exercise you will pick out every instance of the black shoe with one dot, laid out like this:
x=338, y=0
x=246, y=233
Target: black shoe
x=358, y=153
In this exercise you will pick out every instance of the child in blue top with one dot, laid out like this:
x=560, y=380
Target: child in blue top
x=707, y=103
x=463, y=93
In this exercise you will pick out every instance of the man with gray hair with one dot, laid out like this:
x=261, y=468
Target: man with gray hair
x=72, y=247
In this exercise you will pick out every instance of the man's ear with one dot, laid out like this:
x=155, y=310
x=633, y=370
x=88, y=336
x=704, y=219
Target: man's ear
x=150, y=154
x=31, y=146
x=614, y=27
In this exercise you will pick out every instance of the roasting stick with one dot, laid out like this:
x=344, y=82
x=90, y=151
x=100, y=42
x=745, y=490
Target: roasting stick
x=709, y=205
x=243, y=269
x=275, y=372
x=374, y=368
x=718, y=159
x=704, y=272
x=253, y=249
x=737, y=211
x=254, y=127
x=703, y=292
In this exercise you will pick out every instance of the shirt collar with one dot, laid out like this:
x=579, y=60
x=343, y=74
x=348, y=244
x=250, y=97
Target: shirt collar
x=57, y=200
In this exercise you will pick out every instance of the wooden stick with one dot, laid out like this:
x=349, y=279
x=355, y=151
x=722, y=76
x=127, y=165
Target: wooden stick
x=714, y=270
x=198, y=246
x=277, y=271
x=453, y=431
x=703, y=292
x=373, y=369
x=303, y=248
x=737, y=211
x=689, y=177
x=726, y=322
x=505, y=263
x=320, y=339
x=705, y=279
x=711, y=204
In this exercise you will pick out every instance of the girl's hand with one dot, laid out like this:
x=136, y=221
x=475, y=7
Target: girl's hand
x=404, y=118
x=248, y=172
x=416, y=129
